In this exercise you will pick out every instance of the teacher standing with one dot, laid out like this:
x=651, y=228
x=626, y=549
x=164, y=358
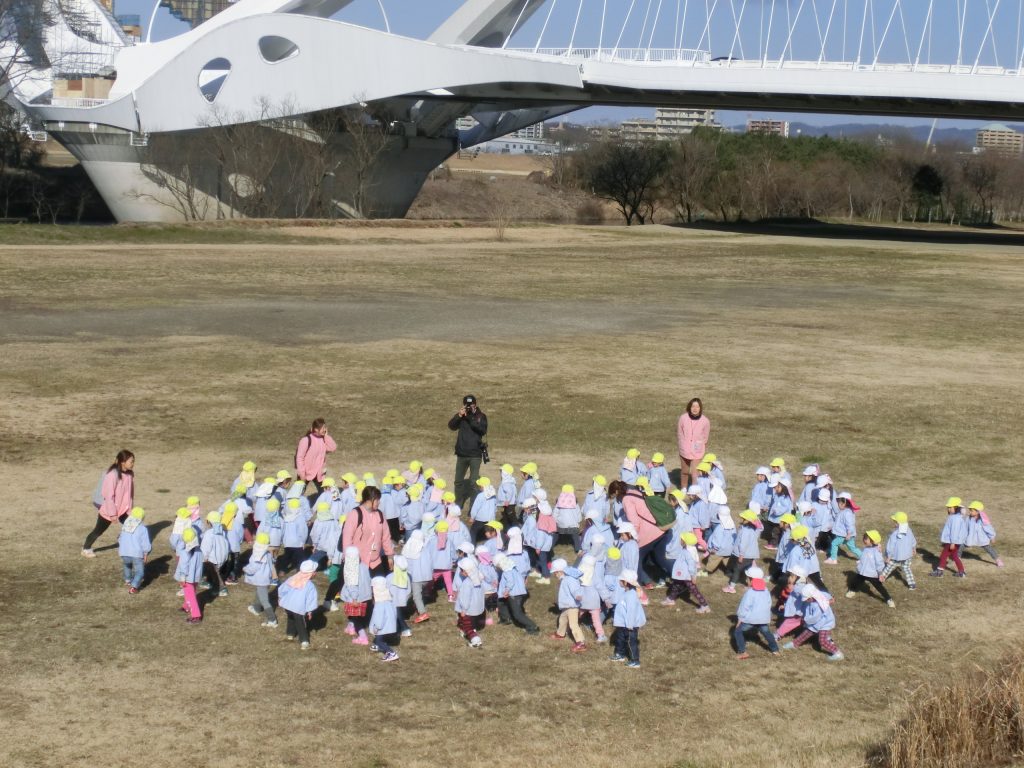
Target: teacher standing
x=693, y=432
x=113, y=500
x=471, y=424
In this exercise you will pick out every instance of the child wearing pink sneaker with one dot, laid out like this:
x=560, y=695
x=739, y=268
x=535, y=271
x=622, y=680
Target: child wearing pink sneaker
x=981, y=532
x=356, y=595
x=190, y=573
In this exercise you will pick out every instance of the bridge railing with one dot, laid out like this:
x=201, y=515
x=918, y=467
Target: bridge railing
x=631, y=55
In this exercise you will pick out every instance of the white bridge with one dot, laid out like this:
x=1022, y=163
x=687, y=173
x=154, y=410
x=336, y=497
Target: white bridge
x=298, y=68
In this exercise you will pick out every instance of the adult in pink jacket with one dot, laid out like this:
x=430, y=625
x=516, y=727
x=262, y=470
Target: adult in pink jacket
x=311, y=453
x=692, y=432
x=649, y=537
x=113, y=499
x=366, y=529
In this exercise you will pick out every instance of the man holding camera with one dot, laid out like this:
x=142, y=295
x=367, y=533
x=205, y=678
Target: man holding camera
x=471, y=424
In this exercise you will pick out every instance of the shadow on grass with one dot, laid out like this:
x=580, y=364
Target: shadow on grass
x=161, y=566
x=911, y=233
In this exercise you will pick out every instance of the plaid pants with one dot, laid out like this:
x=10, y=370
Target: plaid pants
x=904, y=566
x=824, y=640
x=677, y=588
x=468, y=624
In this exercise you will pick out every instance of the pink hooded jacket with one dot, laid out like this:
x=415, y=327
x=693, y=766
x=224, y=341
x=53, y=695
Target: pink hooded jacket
x=118, y=495
x=311, y=455
x=635, y=507
x=371, y=538
x=693, y=436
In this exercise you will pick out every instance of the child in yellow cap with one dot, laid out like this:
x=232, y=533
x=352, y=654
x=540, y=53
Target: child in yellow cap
x=260, y=573
x=134, y=546
x=189, y=573
x=870, y=566
x=568, y=517
x=981, y=532
x=953, y=536
x=632, y=468
x=657, y=474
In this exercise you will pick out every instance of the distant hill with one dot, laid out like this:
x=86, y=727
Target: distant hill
x=964, y=136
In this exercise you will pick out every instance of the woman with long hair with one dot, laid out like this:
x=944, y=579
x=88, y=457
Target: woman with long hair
x=113, y=499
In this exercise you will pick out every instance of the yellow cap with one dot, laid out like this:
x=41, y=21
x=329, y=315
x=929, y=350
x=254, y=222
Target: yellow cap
x=369, y=478
x=703, y=467
x=189, y=534
x=614, y=553
x=273, y=505
x=483, y=482
x=231, y=508
x=800, y=532
x=977, y=505
x=749, y=515
x=342, y=519
x=323, y=506
x=899, y=517
x=495, y=525
x=688, y=538
x=349, y=478
x=284, y=474
x=678, y=495
x=270, y=480
x=709, y=457
x=658, y=458
x=416, y=492
x=789, y=517
x=529, y=468
x=778, y=461
x=360, y=486
x=441, y=527
x=954, y=501
x=213, y=518
x=192, y=501
x=568, y=489
x=138, y=513
x=183, y=512
x=633, y=453
x=263, y=538
x=874, y=536
x=415, y=466
x=429, y=473
x=601, y=480
x=293, y=503
x=643, y=482
x=328, y=482
x=249, y=466
x=508, y=469
x=240, y=489
x=440, y=484
x=447, y=497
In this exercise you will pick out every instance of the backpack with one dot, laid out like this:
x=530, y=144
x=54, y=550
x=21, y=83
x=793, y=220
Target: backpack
x=663, y=514
x=97, y=495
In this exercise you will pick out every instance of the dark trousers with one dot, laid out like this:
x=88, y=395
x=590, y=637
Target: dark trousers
x=297, y=626
x=857, y=583
x=394, y=529
x=292, y=558
x=509, y=518
x=232, y=566
x=513, y=609
x=656, y=552
x=739, y=565
x=816, y=580
x=383, y=643
x=475, y=530
x=101, y=525
x=627, y=643
x=464, y=486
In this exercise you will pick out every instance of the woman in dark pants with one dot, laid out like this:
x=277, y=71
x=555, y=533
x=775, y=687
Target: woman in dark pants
x=115, y=498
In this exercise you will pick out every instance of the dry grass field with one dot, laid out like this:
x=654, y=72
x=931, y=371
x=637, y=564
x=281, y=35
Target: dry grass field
x=898, y=366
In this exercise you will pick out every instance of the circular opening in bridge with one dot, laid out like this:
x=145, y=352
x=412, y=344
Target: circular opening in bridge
x=274, y=48
x=212, y=77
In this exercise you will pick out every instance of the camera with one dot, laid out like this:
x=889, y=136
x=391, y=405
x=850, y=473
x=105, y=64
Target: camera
x=484, y=453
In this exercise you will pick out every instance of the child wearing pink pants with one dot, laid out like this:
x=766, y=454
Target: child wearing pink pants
x=190, y=572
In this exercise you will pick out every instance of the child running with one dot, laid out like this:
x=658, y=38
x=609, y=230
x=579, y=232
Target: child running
x=818, y=620
x=629, y=617
x=981, y=532
x=260, y=573
x=298, y=598
x=134, y=546
x=953, y=536
x=900, y=550
x=384, y=619
x=754, y=613
x=870, y=567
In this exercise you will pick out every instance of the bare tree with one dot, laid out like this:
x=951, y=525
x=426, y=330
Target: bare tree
x=981, y=176
x=629, y=175
x=691, y=168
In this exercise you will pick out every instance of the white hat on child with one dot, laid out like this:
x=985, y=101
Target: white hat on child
x=466, y=548
x=308, y=566
x=559, y=565
x=824, y=495
x=822, y=481
x=630, y=577
x=754, y=572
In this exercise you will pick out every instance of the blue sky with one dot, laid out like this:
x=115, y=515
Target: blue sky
x=417, y=18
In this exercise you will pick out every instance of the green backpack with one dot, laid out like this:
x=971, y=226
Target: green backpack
x=663, y=514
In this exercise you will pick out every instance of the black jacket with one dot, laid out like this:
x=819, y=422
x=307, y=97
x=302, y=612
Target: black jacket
x=471, y=429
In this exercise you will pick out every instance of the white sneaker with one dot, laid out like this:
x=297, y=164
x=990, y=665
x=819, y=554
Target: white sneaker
x=304, y=647
x=271, y=624
x=253, y=611
x=406, y=633
x=837, y=656
x=181, y=593
x=334, y=607
x=851, y=593
x=476, y=642
x=88, y=553
x=891, y=603
x=543, y=580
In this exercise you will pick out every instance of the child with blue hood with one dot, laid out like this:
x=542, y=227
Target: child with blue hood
x=512, y=595
x=384, y=619
x=628, y=619
x=325, y=534
x=505, y=497
x=215, y=550
x=297, y=596
x=469, y=602
x=754, y=613
x=134, y=546
x=294, y=532
x=356, y=594
x=570, y=597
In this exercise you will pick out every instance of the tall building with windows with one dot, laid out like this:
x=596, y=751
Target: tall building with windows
x=1000, y=139
x=668, y=123
x=769, y=127
x=195, y=12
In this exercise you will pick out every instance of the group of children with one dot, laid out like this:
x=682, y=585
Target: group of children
x=482, y=568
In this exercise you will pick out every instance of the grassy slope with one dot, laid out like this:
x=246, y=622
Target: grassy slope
x=897, y=366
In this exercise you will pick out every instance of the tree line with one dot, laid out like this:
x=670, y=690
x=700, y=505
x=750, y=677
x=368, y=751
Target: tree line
x=734, y=177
